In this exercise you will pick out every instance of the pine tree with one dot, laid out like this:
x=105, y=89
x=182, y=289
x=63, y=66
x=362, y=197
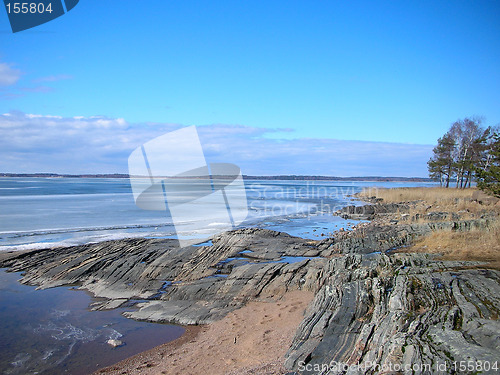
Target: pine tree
x=441, y=164
x=489, y=175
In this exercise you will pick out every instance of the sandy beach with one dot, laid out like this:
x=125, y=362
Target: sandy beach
x=250, y=340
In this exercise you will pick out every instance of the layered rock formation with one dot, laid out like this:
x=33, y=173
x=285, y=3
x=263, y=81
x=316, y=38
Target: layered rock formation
x=192, y=285
x=405, y=312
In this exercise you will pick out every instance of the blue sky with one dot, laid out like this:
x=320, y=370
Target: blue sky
x=312, y=87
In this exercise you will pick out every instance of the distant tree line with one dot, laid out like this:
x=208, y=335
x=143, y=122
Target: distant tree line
x=468, y=152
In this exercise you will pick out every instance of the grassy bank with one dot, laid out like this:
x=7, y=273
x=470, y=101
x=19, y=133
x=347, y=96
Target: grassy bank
x=477, y=244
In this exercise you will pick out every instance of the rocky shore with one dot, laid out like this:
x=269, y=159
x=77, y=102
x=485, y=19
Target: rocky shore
x=372, y=304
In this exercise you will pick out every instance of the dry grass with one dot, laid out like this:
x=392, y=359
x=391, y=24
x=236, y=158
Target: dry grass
x=476, y=244
x=436, y=199
x=431, y=195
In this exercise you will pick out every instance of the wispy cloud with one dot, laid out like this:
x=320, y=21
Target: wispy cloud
x=8, y=75
x=257, y=154
x=11, y=85
x=41, y=88
x=98, y=144
x=53, y=78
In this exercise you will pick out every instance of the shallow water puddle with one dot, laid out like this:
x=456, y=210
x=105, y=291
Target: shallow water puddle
x=53, y=332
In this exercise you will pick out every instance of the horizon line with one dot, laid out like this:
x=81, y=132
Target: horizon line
x=251, y=177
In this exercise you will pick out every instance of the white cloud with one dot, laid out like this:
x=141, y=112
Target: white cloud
x=97, y=144
x=8, y=75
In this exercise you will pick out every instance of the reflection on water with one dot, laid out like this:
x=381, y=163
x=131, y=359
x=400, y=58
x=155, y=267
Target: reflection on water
x=53, y=332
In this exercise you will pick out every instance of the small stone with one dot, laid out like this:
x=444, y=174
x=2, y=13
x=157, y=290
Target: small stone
x=114, y=343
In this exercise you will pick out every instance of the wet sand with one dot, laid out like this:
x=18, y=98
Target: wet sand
x=250, y=340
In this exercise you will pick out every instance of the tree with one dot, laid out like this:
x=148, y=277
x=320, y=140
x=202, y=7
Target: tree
x=466, y=133
x=441, y=163
x=458, y=152
x=488, y=174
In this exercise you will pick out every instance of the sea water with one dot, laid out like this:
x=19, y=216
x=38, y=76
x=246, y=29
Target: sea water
x=51, y=212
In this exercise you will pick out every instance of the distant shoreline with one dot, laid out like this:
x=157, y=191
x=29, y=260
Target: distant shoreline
x=246, y=177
